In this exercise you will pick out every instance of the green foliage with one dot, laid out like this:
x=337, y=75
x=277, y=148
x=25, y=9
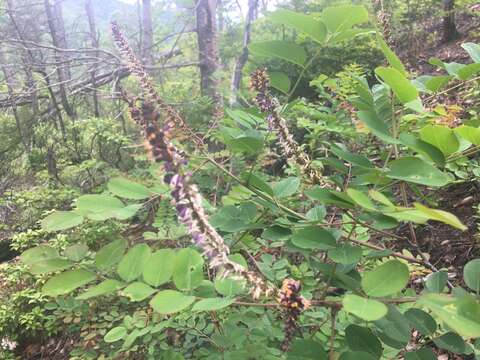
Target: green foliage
x=115, y=269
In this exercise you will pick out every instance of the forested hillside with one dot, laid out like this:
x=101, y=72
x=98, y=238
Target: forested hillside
x=253, y=179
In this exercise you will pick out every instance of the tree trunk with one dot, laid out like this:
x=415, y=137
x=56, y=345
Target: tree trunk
x=57, y=32
x=147, y=46
x=208, y=52
x=450, y=31
x=94, y=40
x=242, y=59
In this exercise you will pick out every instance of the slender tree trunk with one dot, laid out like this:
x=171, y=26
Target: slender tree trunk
x=221, y=15
x=208, y=52
x=147, y=46
x=94, y=39
x=450, y=31
x=59, y=41
x=242, y=59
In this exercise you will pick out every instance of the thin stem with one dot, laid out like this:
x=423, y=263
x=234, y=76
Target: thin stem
x=325, y=303
x=333, y=321
x=300, y=77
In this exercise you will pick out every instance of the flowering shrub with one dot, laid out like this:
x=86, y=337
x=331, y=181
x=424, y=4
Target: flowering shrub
x=310, y=266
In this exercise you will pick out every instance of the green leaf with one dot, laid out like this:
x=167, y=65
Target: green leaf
x=105, y=287
x=159, y=267
x=233, y=218
x=115, y=334
x=415, y=170
x=357, y=355
x=423, y=147
x=340, y=18
x=437, y=281
x=473, y=50
x=406, y=214
x=66, y=282
x=39, y=253
x=447, y=310
x=61, y=220
x=467, y=71
x=394, y=327
x=471, y=275
x=170, y=301
x=314, y=237
x=286, y=187
x=442, y=216
x=361, y=199
x=212, y=304
x=470, y=133
x=288, y=51
x=346, y=254
x=280, y=81
x=229, y=286
x=188, y=269
x=124, y=213
x=110, y=254
x=362, y=339
x=391, y=57
x=50, y=265
x=305, y=349
x=451, y=342
x=301, y=22
x=127, y=189
x=365, y=309
x=316, y=213
x=256, y=182
x=432, y=83
x=76, y=252
x=377, y=126
x=326, y=197
x=402, y=88
x=138, y=291
x=386, y=279
x=354, y=159
x=421, y=321
x=250, y=142
x=43, y=259
x=97, y=204
x=379, y=197
x=422, y=354
x=442, y=137
x=133, y=262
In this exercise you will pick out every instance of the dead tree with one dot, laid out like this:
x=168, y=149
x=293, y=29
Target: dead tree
x=242, y=59
x=95, y=44
x=57, y=32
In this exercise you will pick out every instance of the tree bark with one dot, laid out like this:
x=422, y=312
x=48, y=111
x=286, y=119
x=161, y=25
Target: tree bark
x=94, y=40
x=208, y=52
x=57, y=32
x=147, y=46
x=450, y=31
x=242, y=59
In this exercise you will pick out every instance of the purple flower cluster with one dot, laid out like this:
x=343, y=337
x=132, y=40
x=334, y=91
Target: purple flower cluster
x=185, y=195
x=259, y=82
x=293, y=304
